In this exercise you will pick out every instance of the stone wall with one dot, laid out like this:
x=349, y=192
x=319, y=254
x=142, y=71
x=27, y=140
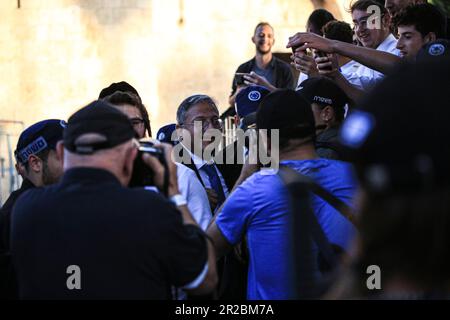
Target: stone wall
x=56, y=55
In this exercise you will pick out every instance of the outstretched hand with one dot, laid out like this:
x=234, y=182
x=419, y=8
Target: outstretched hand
x=255, y=79
x=304, y=40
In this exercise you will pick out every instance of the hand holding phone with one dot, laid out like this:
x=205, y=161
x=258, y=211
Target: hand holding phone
x=239, y=79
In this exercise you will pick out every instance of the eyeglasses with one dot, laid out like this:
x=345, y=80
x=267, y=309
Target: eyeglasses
x=215, y=122
x=136, y=122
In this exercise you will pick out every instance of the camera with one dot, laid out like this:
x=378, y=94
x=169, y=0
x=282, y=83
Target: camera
x=143, y=175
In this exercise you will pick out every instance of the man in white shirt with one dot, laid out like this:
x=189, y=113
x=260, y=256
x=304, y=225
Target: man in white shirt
x=373, y=31
x=196, y=115
x=190, y=188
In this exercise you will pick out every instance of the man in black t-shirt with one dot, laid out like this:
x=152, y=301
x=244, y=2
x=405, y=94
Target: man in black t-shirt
x=264, y=69
x=91, y=237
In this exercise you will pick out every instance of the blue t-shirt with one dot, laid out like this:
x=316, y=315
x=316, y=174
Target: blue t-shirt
x=259, y=210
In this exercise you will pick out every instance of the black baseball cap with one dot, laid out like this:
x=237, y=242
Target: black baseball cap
x=117, y=86
x=287, y=111
x=97, y=117
x=40, y=136
x=323, y=91
x=399, y=136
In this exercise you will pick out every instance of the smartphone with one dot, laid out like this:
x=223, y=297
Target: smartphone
x=239, y=79
x=322, y=54
x=295, y=48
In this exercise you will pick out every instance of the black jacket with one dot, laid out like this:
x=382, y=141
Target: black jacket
x=8, y=289
x=128, y=243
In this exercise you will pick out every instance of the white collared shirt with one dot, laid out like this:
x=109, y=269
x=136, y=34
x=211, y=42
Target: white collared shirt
x=195, y=195
x=347, y=70
x=366, y=78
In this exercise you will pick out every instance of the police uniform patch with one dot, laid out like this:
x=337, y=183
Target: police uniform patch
x=436, y=49
x=254, y=95
x=161, y=136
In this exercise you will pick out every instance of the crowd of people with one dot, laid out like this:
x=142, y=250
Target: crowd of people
x=357, y=176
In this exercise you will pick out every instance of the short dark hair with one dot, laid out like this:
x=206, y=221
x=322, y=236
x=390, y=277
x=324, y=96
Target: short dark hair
x=117, y=86
x=363, y=5
x=424, y=17
x=120, y=97
x=262, y=24
x=338, y=30
x=320, y=17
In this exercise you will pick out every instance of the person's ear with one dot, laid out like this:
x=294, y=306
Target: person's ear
x=431, y=36
x=128, y=165
x=327, y=114
x=35, y=163
x=254, y=39
x=386, y=20
x=60, y=151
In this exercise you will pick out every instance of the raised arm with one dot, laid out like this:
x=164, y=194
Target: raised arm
x=380, y=61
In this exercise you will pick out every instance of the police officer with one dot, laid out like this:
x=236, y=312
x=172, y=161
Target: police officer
x=39, y=165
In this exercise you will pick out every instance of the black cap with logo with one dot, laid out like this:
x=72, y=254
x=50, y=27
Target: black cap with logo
x=40, y=136
x=323, y=91
x=287, y=111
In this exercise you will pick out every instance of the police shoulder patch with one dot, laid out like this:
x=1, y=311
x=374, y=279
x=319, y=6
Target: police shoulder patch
x=436, y=49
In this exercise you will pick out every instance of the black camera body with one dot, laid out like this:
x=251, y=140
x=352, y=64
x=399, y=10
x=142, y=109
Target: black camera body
x=143, y=175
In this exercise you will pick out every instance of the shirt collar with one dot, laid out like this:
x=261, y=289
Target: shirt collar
x=198, y=162
x=271, y=63
x=384, y=46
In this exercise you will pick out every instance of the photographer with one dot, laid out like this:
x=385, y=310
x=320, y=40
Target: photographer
x=91, y=237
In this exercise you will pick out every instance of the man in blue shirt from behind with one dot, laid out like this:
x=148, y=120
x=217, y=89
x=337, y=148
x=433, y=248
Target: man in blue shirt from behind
x=258, y=209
